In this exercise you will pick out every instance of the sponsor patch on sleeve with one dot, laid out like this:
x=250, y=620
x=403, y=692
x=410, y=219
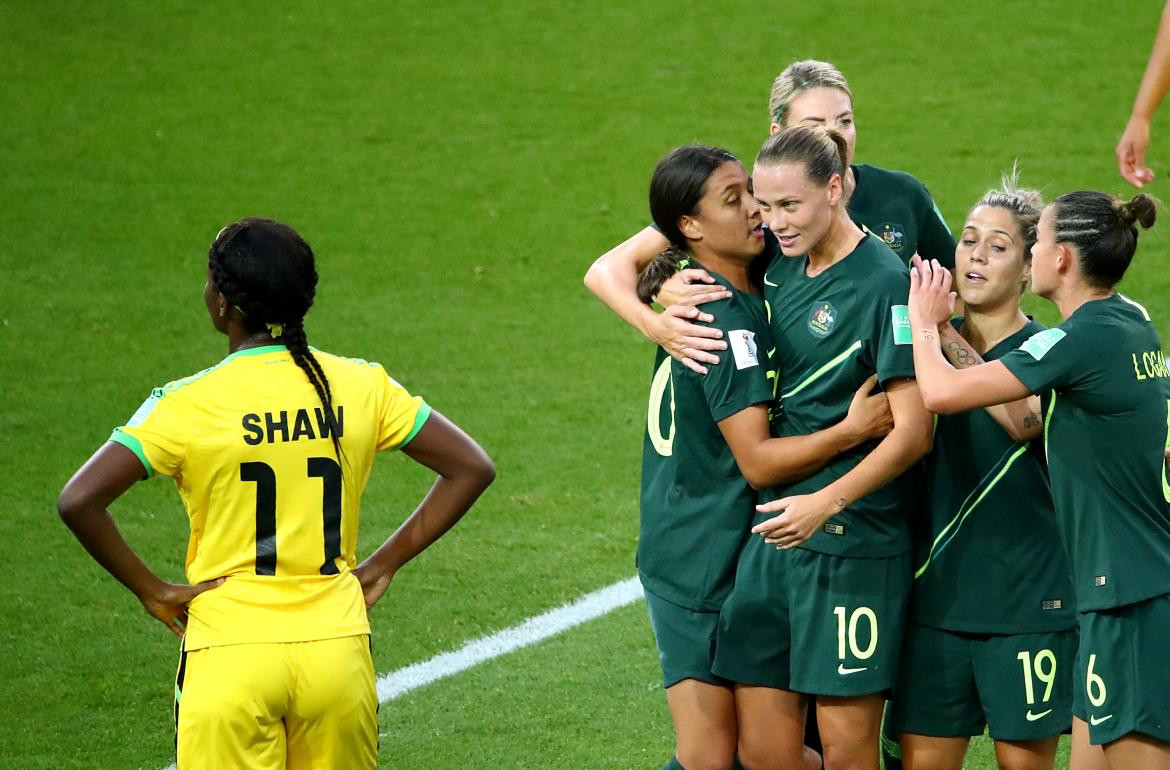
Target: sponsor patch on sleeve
x=1040, y=343
x=900, y=315
x=743, y=347
x=144, y=411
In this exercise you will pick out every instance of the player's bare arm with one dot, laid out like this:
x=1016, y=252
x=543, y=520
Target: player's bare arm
x=83, y=504
x=465, y=471
x=613, y=278
x=1131, y=148
x=800, y=516
x=766, y=461
x=946, y=390
x=1019, y=419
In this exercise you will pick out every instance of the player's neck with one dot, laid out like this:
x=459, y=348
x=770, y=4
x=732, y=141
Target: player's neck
x=839, y=242
x=985, y=328
x=1070, y=297
x=239, y=339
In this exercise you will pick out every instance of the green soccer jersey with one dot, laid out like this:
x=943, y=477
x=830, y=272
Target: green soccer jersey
x=897, y=208
x=1104, y=432
x=833, y=331
x=989, y=558
x=696, y=506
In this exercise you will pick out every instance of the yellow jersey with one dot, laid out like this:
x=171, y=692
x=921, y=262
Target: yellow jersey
x=272, y=508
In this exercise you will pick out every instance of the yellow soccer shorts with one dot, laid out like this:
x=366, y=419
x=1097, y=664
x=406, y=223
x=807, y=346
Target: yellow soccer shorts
x=293, y=705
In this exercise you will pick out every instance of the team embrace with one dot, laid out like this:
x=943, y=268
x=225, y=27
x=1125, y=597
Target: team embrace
x=854, y=492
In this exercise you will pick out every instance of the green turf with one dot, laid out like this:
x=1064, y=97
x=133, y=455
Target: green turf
x=456, y=166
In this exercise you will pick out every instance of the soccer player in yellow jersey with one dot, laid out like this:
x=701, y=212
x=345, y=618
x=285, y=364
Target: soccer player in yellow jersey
x=271, y=450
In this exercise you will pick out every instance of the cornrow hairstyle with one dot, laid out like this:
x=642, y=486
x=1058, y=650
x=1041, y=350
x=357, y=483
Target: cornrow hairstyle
x=802, y=76
x=267, y=272
x=823, y=152
x=1025, y=206
x=1102, y=228
x=678, y=184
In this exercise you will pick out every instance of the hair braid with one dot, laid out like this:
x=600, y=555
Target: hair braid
x=1104, y=231
x=267, y=272
x=297, y=342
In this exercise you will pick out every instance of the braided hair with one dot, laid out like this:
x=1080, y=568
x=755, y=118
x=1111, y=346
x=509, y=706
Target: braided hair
x=1103, y=229
x=267, y=272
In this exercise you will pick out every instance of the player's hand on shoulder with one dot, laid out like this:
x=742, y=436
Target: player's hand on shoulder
x=167, y=602
x=692, y=286
x=679, y=332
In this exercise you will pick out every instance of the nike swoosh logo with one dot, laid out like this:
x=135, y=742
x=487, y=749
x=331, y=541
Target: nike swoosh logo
x=769, y=283
x=1033, y=717
x=846, y=671
x=1094, y=721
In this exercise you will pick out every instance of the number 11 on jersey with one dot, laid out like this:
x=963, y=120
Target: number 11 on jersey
x=264, y=477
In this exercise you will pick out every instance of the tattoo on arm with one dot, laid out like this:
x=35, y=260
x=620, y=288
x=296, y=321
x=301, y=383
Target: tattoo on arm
x=1032, y=420
x=927, y=335
x=960, y=354
x=839, y=504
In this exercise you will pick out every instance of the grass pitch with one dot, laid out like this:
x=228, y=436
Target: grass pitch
x=456, y=166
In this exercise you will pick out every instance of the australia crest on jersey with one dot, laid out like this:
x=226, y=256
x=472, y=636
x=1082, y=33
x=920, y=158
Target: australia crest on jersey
x=821, y=318
x=893, y=235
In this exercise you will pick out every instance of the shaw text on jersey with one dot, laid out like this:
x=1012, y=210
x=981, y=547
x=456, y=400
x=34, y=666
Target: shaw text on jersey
x=275, y=426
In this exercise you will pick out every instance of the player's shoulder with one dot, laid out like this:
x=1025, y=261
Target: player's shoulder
x=742, y=310
x=1074, y=339
x=344, y=363
x=878, y=265
x=209, y=378
x=352, y=368
x=1130, y=310
x=735, y=310
x=887, y=180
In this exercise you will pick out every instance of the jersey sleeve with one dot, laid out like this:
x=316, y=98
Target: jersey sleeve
x=935, y=240
x=740, y=379
x=893, y=340
x=400, y=415
x=1048, y=359
x=156, y=434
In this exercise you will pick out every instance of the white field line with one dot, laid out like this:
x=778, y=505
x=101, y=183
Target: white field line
x=535, y=629
x=531, y=631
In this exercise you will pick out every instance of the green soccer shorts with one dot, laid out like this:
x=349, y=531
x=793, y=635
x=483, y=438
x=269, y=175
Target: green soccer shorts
x=1122, y=678
x=686, y=641
x=1018, y=686
x=814, y=623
